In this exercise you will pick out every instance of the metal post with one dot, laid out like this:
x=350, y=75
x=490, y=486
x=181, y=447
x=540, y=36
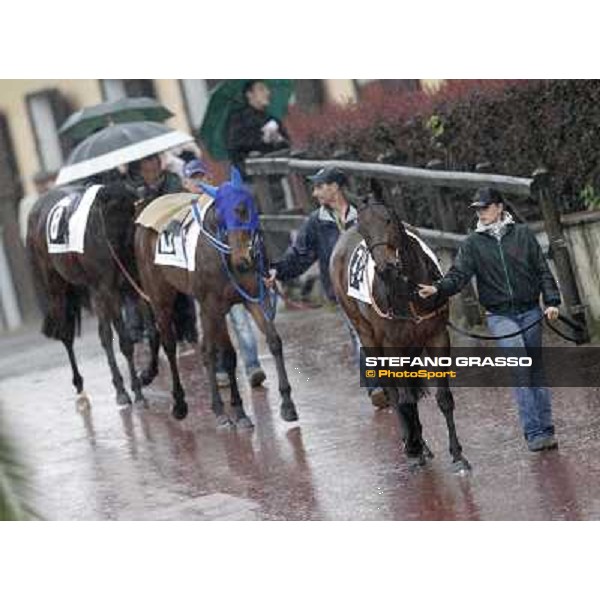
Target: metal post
x=558, y=246
x=263, y=193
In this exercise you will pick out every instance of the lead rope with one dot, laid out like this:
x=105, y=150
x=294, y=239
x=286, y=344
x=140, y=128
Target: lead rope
x=121, y=266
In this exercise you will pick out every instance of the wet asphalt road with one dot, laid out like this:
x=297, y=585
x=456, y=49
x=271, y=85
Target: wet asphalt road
x=342, y=460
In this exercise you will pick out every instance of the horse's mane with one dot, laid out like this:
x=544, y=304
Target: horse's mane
x=116, y=192
x=416, y=254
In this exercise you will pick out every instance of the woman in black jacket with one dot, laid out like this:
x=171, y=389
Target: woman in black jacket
x=512, y=273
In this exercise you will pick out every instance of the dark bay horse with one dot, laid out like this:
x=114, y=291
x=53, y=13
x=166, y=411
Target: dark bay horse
x=228, y=270
x=65, y=281
x=397, y=317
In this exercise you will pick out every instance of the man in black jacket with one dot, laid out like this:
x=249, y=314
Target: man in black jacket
x=511, y=273
x=252, y=128
x=316, y=240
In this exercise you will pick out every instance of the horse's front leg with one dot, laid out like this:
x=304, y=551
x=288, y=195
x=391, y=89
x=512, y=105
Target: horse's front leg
x=440, y=346
x=126, y=345
x=164, y=322
x=288, y=409
x=223, y=341
x=148, y=375
x=105, y=315
x=213, y=326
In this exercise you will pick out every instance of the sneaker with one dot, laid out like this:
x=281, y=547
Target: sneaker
x=256, y=377
x=222, y=380
x=379, y=398
x=542, y=443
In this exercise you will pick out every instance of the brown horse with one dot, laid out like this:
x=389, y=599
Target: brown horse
x=397, y=317
x=65, y=281
x=228, y=270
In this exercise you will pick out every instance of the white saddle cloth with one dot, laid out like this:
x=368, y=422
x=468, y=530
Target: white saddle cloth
x=361, y=270
x=72, y=238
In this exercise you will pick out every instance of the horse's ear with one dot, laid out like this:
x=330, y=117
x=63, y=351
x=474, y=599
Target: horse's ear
x=211, y=190
x=376, y=189
x=235, y=178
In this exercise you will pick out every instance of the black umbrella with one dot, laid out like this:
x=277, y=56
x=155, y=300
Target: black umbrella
x=126, y=110
x=119, y=145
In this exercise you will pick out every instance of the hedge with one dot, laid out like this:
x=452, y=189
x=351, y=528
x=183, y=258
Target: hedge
x=515, y=125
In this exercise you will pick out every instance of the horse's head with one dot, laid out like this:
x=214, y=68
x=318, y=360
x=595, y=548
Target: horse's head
x=383, y=233
x=237, y=221
x=116, y=201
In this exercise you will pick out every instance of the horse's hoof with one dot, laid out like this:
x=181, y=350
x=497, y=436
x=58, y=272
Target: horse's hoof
x=83, y=403
x=288, y=413
x=141, y=401
x=180, y=410
x=140, y=398
x=147, y=377
x=123, y=398
x=244, y=423
x=461, y=467
x=427, y=453
x=224, y=422
x=416, y=463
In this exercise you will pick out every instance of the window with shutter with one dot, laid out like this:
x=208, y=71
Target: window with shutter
x=115, y=89
x=47, y=111
x=195, y=94
x=17, y=300
x=10, y=182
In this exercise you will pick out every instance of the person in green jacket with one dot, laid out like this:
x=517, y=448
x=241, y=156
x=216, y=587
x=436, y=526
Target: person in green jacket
x=511, y=273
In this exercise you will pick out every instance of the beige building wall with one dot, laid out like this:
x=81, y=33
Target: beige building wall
x=13, y=93
x=168, y=91
x=340, y=91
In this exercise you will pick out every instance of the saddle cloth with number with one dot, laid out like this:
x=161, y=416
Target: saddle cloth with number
x=361, y=269
x=175, y=246
x=67, y=221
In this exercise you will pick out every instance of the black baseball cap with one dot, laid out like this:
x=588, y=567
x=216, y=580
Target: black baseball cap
x=486, y=196
x=330, y=175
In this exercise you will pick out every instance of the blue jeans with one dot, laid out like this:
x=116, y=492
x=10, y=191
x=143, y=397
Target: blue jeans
x=532, y=397
x=240, y=321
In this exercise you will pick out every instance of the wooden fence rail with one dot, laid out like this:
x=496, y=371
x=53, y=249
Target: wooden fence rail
x=536, y=187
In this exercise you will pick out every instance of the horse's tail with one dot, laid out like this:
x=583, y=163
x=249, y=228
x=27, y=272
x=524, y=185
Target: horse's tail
x=60, y=302
x=63, y=319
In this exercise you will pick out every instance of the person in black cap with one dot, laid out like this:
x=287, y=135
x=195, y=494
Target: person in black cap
x=315, y=242
x=320, y=232
x=511, y=273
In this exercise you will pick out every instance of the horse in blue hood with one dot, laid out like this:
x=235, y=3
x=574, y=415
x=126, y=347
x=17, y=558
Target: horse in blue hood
x=229, y=266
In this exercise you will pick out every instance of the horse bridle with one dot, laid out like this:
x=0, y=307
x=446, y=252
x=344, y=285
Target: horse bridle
x=397, y=264
x=266, y=299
